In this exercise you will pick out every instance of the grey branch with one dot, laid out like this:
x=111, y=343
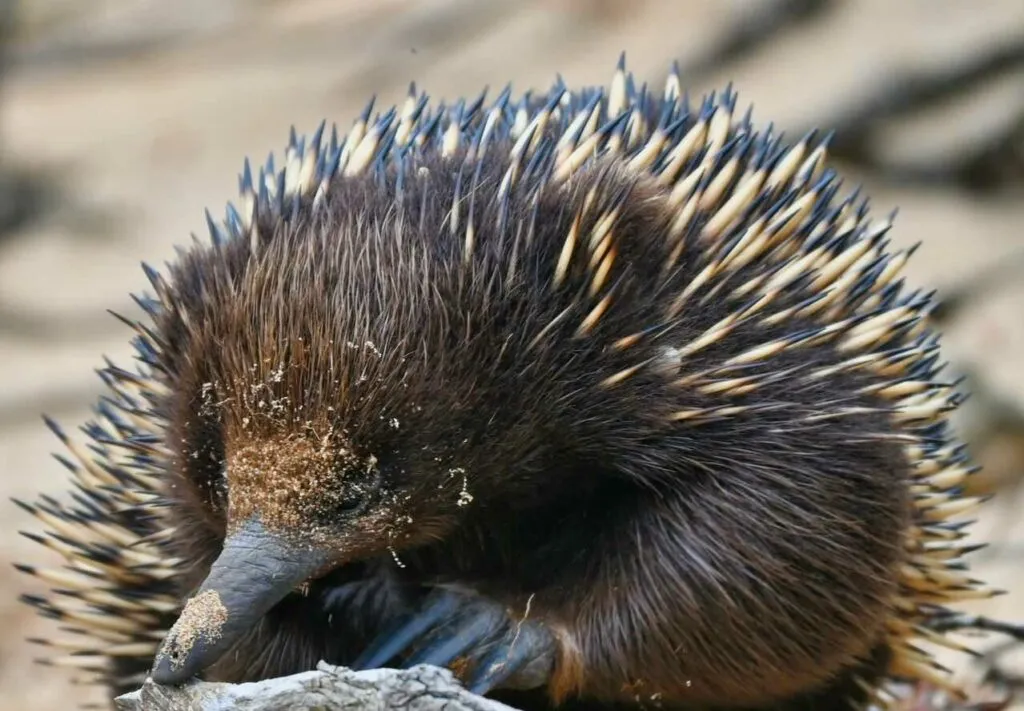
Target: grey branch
x=329, y=688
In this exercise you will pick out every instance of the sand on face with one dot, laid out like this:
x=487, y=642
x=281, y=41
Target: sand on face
x=203, y=617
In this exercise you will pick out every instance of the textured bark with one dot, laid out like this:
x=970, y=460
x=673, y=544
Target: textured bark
x=329, y=688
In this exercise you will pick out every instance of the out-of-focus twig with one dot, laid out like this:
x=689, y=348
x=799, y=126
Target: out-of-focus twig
x=955, y=299
x=756, y=28
x=995, y=161
x=962, y=622
x=23, y=196
x=987, y=164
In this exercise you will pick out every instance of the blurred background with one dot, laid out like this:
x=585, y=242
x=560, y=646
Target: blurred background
x=120, y=120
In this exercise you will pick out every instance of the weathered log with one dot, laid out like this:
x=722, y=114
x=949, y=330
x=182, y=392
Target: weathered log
x=329, y=688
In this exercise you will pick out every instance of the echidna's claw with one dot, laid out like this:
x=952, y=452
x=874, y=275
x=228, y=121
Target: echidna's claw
x=408, y=630
x=522, y=660
x=473, y=635
x=475, y=624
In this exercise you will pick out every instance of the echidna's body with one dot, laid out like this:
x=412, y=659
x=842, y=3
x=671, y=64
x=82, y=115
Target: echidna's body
x=630, y=370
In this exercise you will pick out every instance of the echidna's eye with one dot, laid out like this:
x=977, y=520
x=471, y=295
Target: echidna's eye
x=357, y=490
x=350, y=502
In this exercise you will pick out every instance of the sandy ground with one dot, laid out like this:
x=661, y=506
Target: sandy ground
x=146, y=109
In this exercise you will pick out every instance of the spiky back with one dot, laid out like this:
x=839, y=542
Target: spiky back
x=753, y=231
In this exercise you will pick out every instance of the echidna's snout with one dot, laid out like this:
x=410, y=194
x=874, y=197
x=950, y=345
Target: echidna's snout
x=256, y=569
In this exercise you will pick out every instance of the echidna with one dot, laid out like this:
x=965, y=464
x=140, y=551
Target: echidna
x=596, y=397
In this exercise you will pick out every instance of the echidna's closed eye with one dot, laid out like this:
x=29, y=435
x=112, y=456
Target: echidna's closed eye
x=357, y=491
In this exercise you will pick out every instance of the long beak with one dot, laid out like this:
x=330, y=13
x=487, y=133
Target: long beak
x=256, y=570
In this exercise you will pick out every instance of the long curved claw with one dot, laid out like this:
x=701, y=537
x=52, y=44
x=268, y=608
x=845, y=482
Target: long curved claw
x=461, y=639
x=475, y=634
x=523, y=660
x=474, y=623
x=399, y=637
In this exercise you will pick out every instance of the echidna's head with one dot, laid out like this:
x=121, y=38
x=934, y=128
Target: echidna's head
x=299, y=499
x=316, y=419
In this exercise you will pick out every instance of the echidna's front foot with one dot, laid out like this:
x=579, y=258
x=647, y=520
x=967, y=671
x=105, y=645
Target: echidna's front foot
x=473, y=636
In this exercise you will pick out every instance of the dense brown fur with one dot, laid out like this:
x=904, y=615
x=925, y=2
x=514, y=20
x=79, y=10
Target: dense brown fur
x=697, y=437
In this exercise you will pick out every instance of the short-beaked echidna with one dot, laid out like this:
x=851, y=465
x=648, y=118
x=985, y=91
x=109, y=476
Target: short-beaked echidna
x=594, y=396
